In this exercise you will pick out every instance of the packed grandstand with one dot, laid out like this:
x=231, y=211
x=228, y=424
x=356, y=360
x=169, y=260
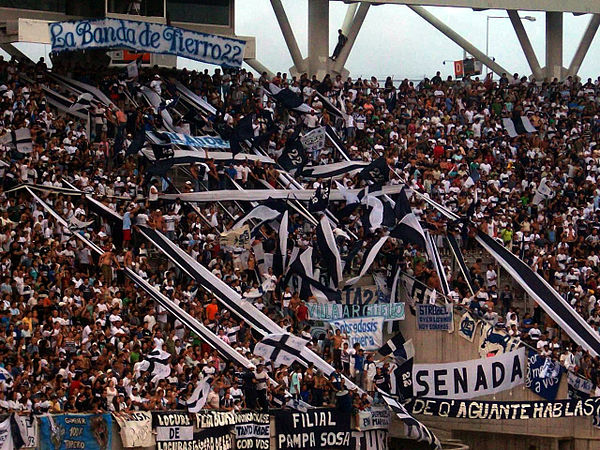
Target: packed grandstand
x=145, y=217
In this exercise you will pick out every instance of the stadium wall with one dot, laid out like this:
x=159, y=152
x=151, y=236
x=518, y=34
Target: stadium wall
x=556, y=434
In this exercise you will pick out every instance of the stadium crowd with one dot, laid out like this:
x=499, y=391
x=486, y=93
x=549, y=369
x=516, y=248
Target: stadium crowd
x=75, y=329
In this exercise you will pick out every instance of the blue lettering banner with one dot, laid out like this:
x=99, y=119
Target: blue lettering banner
x=435, y=317
x=83, y=431
x=366, y=331
x=543, y=375
x=148, y=37
x=196, y=141
x=332, y=311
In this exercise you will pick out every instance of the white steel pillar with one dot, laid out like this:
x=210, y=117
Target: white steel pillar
x=584, y=45
x=458, y=39
x=258, y=66
x=359, y=18
x=288, y=35
x=350, y=12
x=554, y=45
x=525, y=44
x=15, y=52
x=318, y=36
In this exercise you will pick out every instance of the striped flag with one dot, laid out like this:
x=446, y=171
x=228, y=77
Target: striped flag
x=159, y=365
x=518, y=125
x=288, y=99
x=368, y=260
x=320, y=200
x=410, y=231
x=377, y=172
x=84, y=101
x=412, y=427
x=472, y=179
x=5, y=376
x=434, y=256
x=543, y=192
x=329, y=250
x=301, y=265
x=544, y=294
x=398, y=347
x=198, y=398
x=268, y=210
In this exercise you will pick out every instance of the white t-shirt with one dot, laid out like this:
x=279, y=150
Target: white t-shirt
x=262, y=380
x=153, y=194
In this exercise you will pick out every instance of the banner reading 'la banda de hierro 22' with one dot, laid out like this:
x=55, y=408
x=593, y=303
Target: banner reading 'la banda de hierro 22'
x=147, y=37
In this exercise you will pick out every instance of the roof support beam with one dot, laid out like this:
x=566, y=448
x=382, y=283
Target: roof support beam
x=258, y=66
x=458, y=39
x=525, y=44
x=288, y=34
x=349, y=17
x=584, y=45
x=554, y=45
x=318, y=36
x=357, y=23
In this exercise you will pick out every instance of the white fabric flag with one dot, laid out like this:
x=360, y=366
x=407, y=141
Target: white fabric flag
x=314, y=140
x=542, y=193
x=6, y=439
x=198, y=398
x=132, y=70
x=280, y=348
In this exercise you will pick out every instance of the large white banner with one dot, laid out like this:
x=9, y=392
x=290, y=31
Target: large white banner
x=366, y=331
x=28, y=428
x=6, y=439
x=136, y=428
x=148, y=37
x=469, y=379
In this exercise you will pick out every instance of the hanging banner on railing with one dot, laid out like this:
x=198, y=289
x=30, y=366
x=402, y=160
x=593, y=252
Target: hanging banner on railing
x=490, y=410
x=374, y=418
x=136, y=428
x=467, y=326
x=370, y=440
x=173, y=429
x=334, y=311
x=578, y=388
x=251, y=430
x=366, y=331
x=148, y=37
x=496, y=340
x=27, y=426
x=313, y=430
x=82, y=431
x=414, y=291
x=468, y=379
x=435, y=317
x=543, y=375
x=7, y=442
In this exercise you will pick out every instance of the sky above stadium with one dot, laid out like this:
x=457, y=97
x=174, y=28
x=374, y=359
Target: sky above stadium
x=395, y=41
